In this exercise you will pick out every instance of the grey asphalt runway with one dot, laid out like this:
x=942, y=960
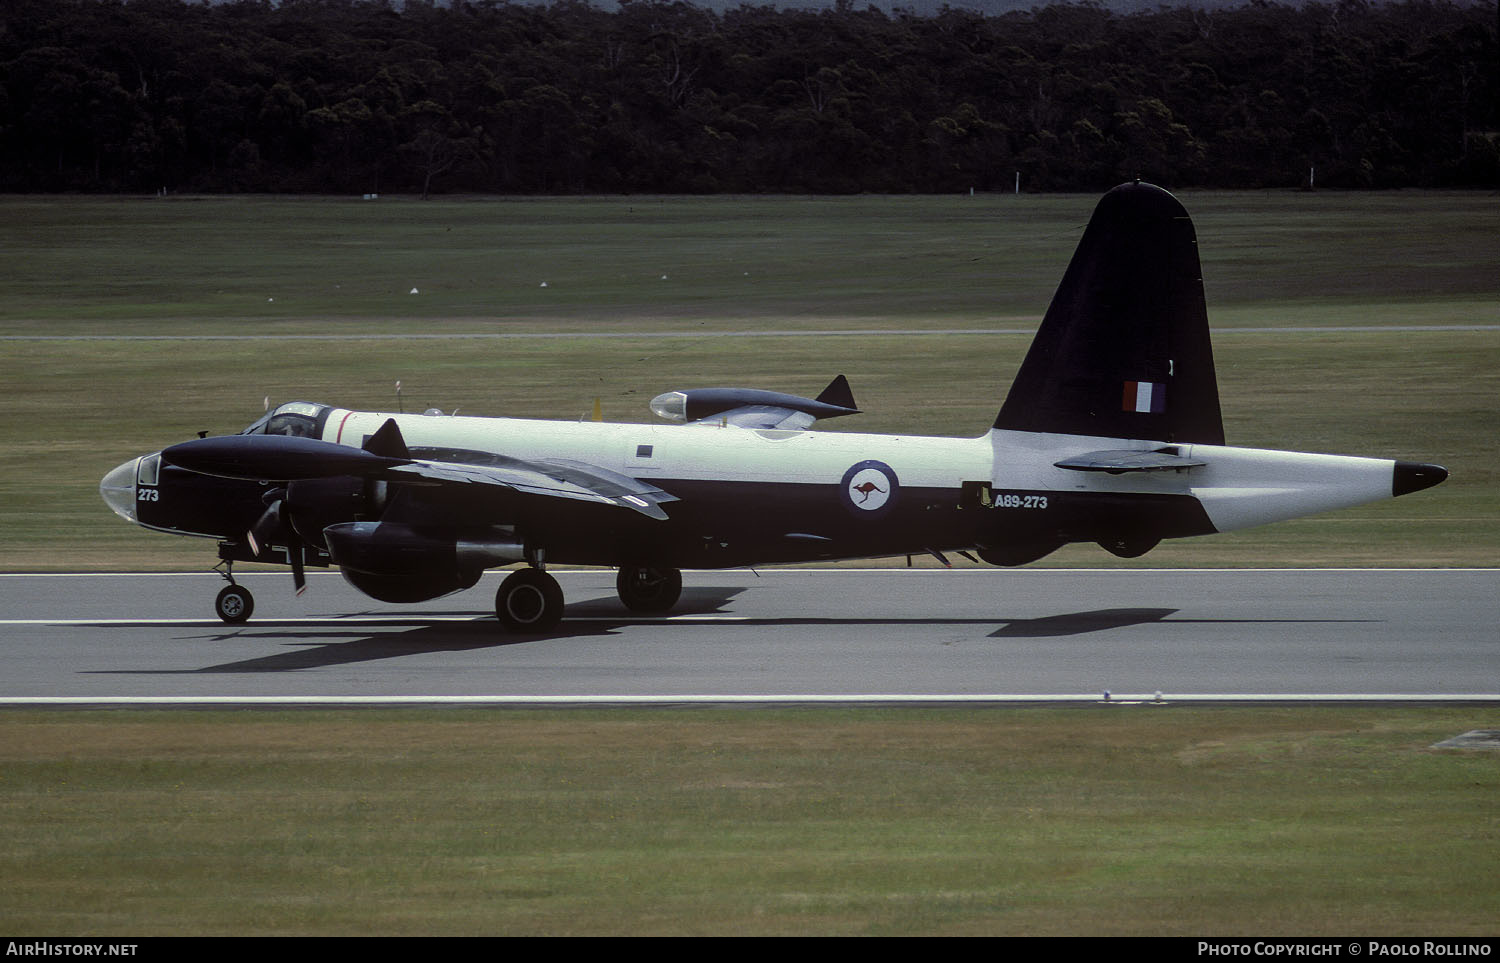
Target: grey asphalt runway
x=779, y=634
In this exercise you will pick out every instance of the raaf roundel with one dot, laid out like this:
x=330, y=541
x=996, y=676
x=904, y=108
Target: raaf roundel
x=1111, y=433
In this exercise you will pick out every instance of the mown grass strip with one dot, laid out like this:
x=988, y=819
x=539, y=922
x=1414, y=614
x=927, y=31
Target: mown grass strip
x=238, y=264
x=1095, y=820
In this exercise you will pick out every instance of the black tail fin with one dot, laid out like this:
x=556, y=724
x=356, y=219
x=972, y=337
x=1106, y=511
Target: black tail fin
x=1124, y=350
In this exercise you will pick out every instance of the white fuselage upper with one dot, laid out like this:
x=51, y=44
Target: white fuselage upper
x=1237, y=487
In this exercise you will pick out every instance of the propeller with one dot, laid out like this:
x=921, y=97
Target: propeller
x=289, y=458
x=275, y=524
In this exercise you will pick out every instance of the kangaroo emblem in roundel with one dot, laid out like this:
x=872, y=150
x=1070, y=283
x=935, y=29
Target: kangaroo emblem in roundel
x=869, y=488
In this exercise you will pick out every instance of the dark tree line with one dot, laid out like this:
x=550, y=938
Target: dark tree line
x=489, y=96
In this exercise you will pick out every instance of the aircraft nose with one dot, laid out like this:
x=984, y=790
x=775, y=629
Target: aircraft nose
x=118, y=489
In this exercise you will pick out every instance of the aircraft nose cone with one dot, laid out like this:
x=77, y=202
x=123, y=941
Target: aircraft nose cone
x=1413, y=477
x=118, y=489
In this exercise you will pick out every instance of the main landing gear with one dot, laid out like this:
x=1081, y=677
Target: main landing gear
x=648, y=590
x=530, y=600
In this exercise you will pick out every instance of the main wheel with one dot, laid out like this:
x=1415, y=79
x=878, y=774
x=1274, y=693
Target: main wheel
x=234, y=604
x=645, y=589
x=529, y=600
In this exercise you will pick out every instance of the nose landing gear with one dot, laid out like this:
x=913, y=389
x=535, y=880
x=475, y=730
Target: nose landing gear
x=234, y=603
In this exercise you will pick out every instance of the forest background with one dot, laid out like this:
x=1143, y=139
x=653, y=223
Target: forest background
x=347, y=96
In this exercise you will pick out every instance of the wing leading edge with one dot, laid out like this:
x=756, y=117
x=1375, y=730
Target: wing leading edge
x=557, y=478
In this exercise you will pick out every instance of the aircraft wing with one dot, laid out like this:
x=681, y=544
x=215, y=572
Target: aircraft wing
x=552, y=478
x=386, y=458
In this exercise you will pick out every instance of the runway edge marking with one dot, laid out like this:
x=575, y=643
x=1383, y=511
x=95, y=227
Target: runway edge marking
x=1112, y=699
x=759, y=573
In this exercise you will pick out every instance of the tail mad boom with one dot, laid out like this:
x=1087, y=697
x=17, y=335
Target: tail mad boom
x=1120, y=383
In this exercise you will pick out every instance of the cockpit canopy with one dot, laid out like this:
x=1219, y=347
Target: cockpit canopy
x=301, y=419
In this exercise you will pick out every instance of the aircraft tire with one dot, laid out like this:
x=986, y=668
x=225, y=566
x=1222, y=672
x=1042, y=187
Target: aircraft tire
x=648, y=590
x=529, y=600
x=234, y=604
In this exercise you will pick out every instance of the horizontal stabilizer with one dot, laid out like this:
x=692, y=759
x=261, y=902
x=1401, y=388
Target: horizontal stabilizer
x=1120, y=462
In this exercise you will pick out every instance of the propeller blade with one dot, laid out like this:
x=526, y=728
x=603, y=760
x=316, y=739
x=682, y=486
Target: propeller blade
x=299, y=574
x=267, y=527
x=274, y=524
x=275, y=458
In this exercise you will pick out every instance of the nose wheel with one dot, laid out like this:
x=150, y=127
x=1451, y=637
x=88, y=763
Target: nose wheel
x=234, y=604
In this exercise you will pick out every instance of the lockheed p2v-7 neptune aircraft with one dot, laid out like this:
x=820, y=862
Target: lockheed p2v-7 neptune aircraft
x=1111, y=433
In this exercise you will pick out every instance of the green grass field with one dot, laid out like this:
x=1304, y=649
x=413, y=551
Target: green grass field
x=825, y=273
x=241, y=265
x=1149, y=820
x=1088, y=820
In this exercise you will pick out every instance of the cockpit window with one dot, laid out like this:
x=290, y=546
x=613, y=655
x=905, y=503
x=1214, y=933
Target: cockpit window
x=291, y=424
x=149, y=470
x=297, y=418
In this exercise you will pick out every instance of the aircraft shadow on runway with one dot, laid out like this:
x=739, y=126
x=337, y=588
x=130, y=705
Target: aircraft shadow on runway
x=1101, y=620
x=338, y=645
x=1078, y=623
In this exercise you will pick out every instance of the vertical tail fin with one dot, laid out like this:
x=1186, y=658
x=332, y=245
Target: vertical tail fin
x=1123, y=351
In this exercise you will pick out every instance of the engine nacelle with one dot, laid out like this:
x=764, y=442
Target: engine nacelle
x=1129, y=546
x=1017, y=553
x=396, y=563
x=317, y=503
